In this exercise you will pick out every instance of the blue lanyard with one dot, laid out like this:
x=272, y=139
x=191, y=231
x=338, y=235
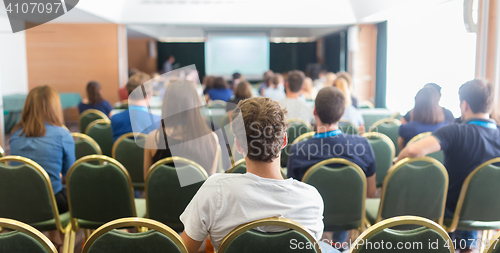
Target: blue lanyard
x=483, y=124
x=328, y=134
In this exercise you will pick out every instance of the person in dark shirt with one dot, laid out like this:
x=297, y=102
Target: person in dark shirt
x=427, y=116
x=242, y=91
x=330, y=142
x=94, y=99
x=220, y=90
x=448, y=115
x=465, y=145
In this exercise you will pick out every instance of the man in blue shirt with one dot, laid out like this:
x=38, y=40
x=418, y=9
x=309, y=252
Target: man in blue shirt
x=465, y=145
x=330, y=142
x=137, y=117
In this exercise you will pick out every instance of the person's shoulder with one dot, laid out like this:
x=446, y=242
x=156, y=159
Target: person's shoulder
x=218, y=178
x=119, y=116
x=56, y=130
x=308, y=190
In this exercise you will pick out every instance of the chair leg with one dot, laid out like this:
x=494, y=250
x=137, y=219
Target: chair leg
x=69, y=240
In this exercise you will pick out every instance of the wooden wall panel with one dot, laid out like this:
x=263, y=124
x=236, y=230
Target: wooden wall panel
x=363, y=66
x=138, y=55
x=67, y=56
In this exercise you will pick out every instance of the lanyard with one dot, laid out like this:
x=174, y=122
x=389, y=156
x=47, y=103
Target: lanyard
x=483, y=124
x=328, y=134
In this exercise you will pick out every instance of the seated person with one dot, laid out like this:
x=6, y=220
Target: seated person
x=295, y=106
x=220, y=90
x=308, y=90
x=465, y=146
x=242, y=91
x=186, y=128
x=347, y=77
x=226, y=201
x=265, y=79
x=448, y=115
x=41, y=137
x=137, y=117
x=275, y=88
x=427, y=116
x=94, y=100
x=351, y=113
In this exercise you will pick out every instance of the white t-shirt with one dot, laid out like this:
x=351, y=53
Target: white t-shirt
x=275, y=94
x=353, y=115
x=226, y=201
x=297, y=108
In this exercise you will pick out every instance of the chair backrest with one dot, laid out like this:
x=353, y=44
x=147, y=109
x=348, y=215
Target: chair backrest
x=129, y=151
x=348, y=127
x=384, y=153
x=100, y=131
x=246, y=237
x=428, y=237
x=158, y=238
x=217, y=104
x=85, y=145
x=475, y=202
x=389, y=127
x=241, y=168
x=23, y=238
x=340, y=181
x=99, y=193
x=304, y=137
x=492, y=245
x=439, y=155
x=87, y=116
x=297, y=128
x=415, y=187
x=26, y=192
x=166, y=199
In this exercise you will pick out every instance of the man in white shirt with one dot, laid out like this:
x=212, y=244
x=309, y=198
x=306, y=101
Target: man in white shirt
x=226, y=201
x=294, y=104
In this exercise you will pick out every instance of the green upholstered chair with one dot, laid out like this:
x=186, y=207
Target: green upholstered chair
x=100, y=131
x=241, y=168
x=436, y=155
x=365, y=104
x=246, y=239
x=158, y=238
x=23, y=238
x=26, y=195
x=87, y=116
x=384, y=150
x=416, y=186
x=340, y=181
x=100, y=193
x=427, y=237
x=165, y=198
x=492, y=245
x=217, y=104
x=85, y=145
x=304, y=137
x=297, y=127
x=477, y=207
x=348, y=127
x=129, y=151
x=389, y=127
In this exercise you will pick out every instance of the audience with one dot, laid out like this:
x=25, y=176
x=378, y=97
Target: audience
x=427, y=116
x=122, y=92
x=137, y=117
x=319, y=83
x=265, y=81
x=184, y=127
x=330, y=142
x=308, y=90
x=226, y=201
x=219, y=91
x=275, y=89
x=351, y=114
x=296, y=108
x=41, y=136
x=208, y=82
x=94, y=100
x=465, y=145
x=237, y=78
x=448, y=115
x=346, y=76
x=242, y=91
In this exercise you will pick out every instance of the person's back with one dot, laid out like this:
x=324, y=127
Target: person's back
x=137, y=117
x=226, y=201
x=414, y=128
x=94, y=100
x=220, y=90
x=351, y=114
x=354, y=116
x=296, y=107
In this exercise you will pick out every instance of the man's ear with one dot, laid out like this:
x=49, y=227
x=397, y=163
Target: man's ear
x=239, y=148
x=314, y=112
x=285, y=142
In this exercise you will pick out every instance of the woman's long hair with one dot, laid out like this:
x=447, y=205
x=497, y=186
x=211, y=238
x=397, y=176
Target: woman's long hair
x=42, y=105
x=342, y=85
x=94, y=93
x=243, y=90
x=184, y=126
x=427, y=109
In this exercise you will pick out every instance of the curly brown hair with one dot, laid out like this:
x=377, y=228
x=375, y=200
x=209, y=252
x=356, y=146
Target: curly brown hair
x=262, y=132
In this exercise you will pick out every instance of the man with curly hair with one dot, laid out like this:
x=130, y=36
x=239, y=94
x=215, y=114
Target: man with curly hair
x=226, y=201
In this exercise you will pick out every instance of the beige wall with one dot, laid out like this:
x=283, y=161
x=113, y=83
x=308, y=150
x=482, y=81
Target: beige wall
x=138, y=55
x=363, y=64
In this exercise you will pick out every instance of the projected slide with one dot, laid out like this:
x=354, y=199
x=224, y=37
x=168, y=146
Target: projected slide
x=248, y=55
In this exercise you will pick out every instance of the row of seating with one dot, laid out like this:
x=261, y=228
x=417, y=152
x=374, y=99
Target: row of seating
x=155, y=237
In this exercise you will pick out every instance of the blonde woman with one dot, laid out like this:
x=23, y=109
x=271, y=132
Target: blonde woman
x=351, y=113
